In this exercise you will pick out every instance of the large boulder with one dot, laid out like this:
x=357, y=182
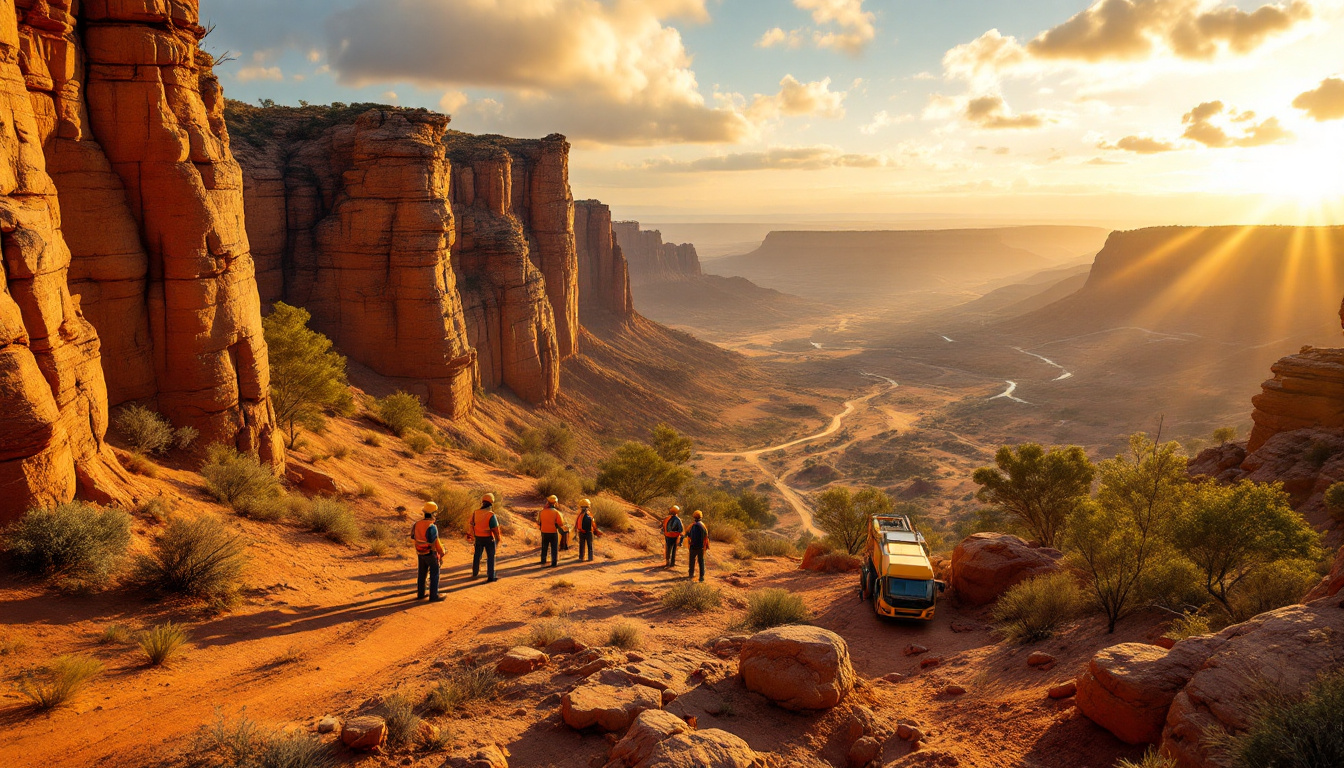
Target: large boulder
x=1128, y=688
x=1283, y=651
x=367, y=734
x=659, y=739
x=797, y=667
x=609, y=707
x=521, y=660
x=1332, y=583
x=986, y=565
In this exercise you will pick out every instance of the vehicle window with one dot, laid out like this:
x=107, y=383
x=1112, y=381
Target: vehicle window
x=910, y=589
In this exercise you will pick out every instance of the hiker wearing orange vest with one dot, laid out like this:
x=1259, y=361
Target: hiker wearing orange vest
x=697, y=542
x=429, y=552
x=551, y=523
x=586, y=527
x=672, y=530
x=483, y=529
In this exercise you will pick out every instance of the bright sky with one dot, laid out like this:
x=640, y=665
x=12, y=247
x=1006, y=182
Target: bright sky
x=1119, y=112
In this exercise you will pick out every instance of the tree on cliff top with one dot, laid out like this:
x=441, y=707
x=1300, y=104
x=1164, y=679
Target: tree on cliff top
x=1039, y=488
x=307, y=376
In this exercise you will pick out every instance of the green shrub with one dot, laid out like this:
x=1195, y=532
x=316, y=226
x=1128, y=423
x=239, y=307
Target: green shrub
x=724, y=531
x=1271, y=586
x=75, y=541
x=770, y=546
x=158, y=508
x=198, y=557
x=485, y=453
x=775, y=607
x=545, y=632
x=1319, y=452
x=162, y=642
x=241, y=743
x=402, y=722
x=561, y=483
x=1151, y=759
x=1307, y=732
x=331, y=518
x=237, y=479
x=1189, y=625
x=611, y=516
x=555, y=439
x=114, y=634
x=625, y=635
x=1031, y=610
x=455, y=506
x=267, y=509
x=536, y=464
x=638, y=474
x=58, y=683
x=1334, y=501
x=294, y=750
x=461, y=687
x=417, y=441
x=692, y=596
x=401, y=412
x=144, y=430
x=371, y=438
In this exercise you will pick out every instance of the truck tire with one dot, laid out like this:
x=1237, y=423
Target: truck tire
x=864, y=588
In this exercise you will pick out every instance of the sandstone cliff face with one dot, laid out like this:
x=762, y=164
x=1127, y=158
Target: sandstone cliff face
x=1307, y=391
x=53, y=400
x=355, y=225
x=604, y=277
x=651, y=260
x=130, y=118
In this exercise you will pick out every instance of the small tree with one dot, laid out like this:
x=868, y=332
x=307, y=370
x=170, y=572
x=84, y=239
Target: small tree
x=636, y=473
x=1038, y=488
x=844, y=515
x=307, y=376
x=401, y=412
x=672, y=445
x=1224, y=435
x=1230, y=532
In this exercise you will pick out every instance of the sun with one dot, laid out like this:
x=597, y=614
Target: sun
x=1303, y=180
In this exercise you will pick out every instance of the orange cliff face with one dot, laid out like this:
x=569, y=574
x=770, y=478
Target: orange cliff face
x=651, y=260
x=604, y=276
x=131, y=125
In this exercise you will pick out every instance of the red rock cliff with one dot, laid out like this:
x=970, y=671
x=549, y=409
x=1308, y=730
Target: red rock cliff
x=53, y=400
x=604, y=279
x=651, y=260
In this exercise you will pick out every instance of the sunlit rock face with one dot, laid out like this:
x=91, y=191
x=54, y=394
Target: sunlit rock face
x=650, y=259
x=604, y=276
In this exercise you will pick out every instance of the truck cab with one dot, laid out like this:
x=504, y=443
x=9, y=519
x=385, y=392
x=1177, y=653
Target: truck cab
x=896, y=574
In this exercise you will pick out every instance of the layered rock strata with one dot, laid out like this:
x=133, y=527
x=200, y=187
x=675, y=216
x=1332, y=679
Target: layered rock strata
x=131, y=120
x=1307, y=391
x=650, y=259
x=604, y=276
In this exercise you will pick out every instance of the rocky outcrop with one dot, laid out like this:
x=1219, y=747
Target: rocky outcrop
x=985, y=565
x=129, y=114
x=608, y=707
x=659, y=739
x=651, y=260
x=1128, y=688
x=1332, y=583
x=797, y=667
x=353, y=222
x=604, y=277
x=1307, y=391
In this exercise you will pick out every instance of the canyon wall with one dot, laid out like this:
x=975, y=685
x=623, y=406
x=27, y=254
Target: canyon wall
x=129, y=117
x=650, y=259
x=604, y=276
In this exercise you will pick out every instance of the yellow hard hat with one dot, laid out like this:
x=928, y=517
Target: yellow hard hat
x=430, y=508
x=490, y=497
x=585, y=503
x=674, y=509
x=697, y=514
x=552, y=500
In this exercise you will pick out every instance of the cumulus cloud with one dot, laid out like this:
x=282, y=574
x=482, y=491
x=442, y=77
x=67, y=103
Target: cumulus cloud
x=777, y=37
x=258, y=72
x=842, y=25
x=1132, y=30
x=1202, y=125
x=992, y=113
x=882, y=120
x=798, y=98
x=1141, y=145
x=776, y=158
x=1325, y=102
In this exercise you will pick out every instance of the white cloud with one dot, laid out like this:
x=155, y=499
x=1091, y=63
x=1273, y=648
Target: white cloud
x=882, y=120
x=778, y=37
x=849, y=28
x=1325, y=102
x=1203, y=125
x=257, y=72
x=797, y=98
x=453, y=101
x=775, y=158
x=391, y=96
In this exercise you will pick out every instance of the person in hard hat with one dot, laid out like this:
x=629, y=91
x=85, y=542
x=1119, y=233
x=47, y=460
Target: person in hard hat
x=429, y=552
x=586, y=527
x=551, y=522
x=672, y=530
x=697, y=541
x=484, y=531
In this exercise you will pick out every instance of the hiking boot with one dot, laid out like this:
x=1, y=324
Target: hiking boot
x=436, y=599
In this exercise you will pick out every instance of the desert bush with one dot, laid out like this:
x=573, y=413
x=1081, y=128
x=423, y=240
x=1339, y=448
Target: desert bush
x=461, y=687
x=237, y=479
x=401, y=412
x=268, y=509
x=1151, y=759
x=543, y=633
x=402, y=722
x=769, y=546
x=1334, y=501
x=611, y=516
x=340, y=452
x=242, y=743
x=1189, y=625
x=417, y=441
x=724, y=532
x=331, y=518
x=823, y=557
x=198, y=557
x=1275, y=585
x=536, y=464
x=455, y=506
x=555, y=439
x=157, y=508
x=114, y=634
x=485, y=453
x=382, y=539
x=143, y=429
x=162, y=642
x=1040, y=488
x=625, y=635
x=671, y=445
x=75, y=541
x=367, y=491
x=1031, y=610
x=59, y=682
x=1319, y=452
x=1174, y=583
x=638, y=474
x=844, y=515
x=561, y=584
x=138, y=463
x=775, y=607
x=692, y=596
x=371, y=438
x=307, y=375
x=562, y=483
x=1304, y=732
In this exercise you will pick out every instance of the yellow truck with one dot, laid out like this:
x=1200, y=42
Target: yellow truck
x=896, y=574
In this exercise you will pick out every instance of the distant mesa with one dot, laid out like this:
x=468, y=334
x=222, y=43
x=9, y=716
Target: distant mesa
x=651, y=260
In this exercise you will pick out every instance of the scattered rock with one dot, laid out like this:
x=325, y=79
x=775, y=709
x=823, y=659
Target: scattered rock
x=893, y=677
x=860, y=723
x=493, y=756
x=1063, y=690
x=633, y=657
x=797, y=667
x=311, y=480
x=426, y=732
x=1040, y=659
x=959, y=625
x=930, y=661
x=328, y=724
x=864, y=752
x=1165, y=642
x=521, y=660
x=985, y=565
x=608, y=707
x=669, y=696
x=565, y=645
x=954, y=690
x=914, y=650
x=1128, y=688
x=909, y=732
x=367, y=733
x=728, y=646
x=648, y=730
x=660, y=740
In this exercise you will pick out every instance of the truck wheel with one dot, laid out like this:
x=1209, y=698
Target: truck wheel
x=864, y=589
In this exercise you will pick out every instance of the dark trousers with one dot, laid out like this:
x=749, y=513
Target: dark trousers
x=585, y=540
x=550, y=541
x=696, y=554
x=484, y=544
x=670, y=550
x=429, y=567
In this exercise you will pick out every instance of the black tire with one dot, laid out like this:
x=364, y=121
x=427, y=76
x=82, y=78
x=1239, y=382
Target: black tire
x=864, y=589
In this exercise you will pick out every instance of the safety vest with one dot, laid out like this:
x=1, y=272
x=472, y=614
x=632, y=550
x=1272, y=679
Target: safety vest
x=585, y=522
x=420, y=533
x=550, y=520
x=668, y=531
x=480, y=522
